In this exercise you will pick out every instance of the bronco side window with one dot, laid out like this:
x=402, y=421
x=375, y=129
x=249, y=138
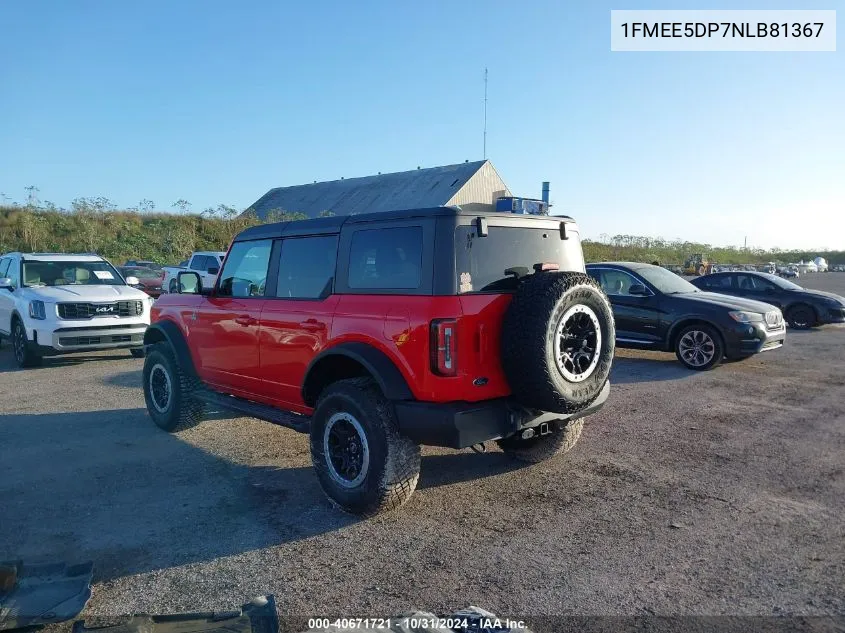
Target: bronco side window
x=245, y=273
x=306, y=267
x=386, y=258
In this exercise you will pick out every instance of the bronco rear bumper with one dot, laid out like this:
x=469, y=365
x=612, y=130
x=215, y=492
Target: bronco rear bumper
x=462, y=424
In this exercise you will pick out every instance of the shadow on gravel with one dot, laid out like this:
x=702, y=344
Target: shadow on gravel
x=130, y=379
x=635, y=370
x=7, y=361
x=453, y=468
x=110, y=487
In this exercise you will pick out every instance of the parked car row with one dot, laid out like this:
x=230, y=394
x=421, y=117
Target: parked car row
x=378, y=333
x=656, y=309
x=720, y=315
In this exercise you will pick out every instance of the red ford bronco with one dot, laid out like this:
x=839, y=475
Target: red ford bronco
x=377, y=333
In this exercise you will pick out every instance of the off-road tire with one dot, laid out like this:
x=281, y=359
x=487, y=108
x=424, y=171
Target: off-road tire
x=528, y=341
x=801, y=317
x=394, y=460
x=540, y=448
x=137, y=352
x=182, y=411
x=713, y=334
x=24, y=356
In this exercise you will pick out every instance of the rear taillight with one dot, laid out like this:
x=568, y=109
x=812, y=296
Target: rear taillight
x=444, y=348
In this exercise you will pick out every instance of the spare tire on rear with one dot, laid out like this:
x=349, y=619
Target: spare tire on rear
x=558, y=338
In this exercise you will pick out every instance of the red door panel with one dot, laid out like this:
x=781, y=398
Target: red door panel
x=224, y=333
x=293, y=332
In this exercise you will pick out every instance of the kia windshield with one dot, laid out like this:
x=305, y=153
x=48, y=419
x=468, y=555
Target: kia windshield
x=70, y=273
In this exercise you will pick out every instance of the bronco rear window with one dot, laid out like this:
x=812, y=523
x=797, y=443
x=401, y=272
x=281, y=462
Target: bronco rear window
x=495, y=262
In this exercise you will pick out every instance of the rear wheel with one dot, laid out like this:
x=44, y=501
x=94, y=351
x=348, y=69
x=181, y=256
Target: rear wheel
x=167, y=391
x=362, y=462
x=539, y=448
x=24, y=356
x=699, y=347
x=801, y=317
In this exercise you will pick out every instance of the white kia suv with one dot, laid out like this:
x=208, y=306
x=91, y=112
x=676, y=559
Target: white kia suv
x=60, y=303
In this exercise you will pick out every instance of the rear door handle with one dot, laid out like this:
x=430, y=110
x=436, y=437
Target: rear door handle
x=245, y=320
x=312, y=325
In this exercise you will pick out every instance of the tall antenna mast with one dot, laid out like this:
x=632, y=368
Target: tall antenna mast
x=485, y=113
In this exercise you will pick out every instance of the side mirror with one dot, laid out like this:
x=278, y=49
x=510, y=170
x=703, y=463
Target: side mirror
x=189, y=283
x=213, y=270
x=6, y=284
x=638, y=290
x=132, y=281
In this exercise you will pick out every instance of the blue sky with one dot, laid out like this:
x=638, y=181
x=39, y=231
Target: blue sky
x=216, y=102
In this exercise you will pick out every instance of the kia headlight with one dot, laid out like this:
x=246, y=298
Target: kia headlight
x=36, y=310
x=741, y=316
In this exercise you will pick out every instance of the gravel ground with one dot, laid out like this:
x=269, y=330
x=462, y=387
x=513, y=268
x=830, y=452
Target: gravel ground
x=689, y=493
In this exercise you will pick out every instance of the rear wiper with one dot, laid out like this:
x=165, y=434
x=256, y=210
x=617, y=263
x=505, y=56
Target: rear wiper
x=516, y=271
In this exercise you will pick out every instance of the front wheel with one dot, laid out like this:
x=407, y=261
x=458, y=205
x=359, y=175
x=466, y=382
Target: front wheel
x=801, y=317
x=362, y=462
x=137, y=352
x=539, y=448
x=167, y=391
x=699, y=347
x=24, y=356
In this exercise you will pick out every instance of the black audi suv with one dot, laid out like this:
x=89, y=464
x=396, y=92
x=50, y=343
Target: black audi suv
x=656, y=309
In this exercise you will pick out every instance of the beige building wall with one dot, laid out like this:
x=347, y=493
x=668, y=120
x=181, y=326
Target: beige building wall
x=482, y=188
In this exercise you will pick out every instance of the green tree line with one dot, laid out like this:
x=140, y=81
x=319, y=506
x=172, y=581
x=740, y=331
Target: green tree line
x=675, y=252
x=96, y=225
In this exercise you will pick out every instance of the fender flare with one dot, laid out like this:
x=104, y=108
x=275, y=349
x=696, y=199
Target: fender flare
x=171, y=333
x=378, y=364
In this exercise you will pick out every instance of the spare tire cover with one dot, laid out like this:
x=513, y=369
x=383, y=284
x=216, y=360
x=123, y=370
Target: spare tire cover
x=558, y=339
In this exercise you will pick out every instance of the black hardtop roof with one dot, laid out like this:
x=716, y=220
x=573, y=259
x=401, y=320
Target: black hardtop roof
x=333, y=224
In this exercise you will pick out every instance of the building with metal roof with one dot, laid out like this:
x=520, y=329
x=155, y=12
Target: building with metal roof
x=451, y=185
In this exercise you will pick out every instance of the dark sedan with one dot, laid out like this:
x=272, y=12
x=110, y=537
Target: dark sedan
x=656, y=309
x=802, y=308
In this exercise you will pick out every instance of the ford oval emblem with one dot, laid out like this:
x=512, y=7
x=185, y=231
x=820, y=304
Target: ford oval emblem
x=480, y=382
